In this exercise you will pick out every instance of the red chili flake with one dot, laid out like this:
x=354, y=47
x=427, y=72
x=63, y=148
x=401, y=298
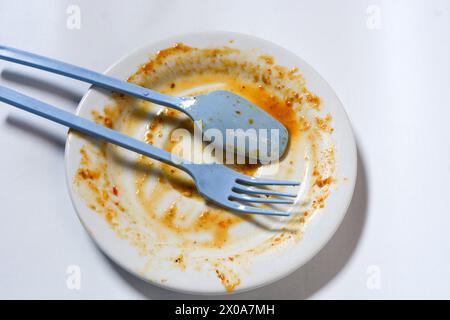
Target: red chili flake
x=115, y=191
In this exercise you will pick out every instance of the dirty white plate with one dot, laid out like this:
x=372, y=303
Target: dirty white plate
x=259, y=270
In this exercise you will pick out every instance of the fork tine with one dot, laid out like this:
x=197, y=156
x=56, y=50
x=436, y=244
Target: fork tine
x=243, y=197
x=254, y=210
x=259, y=181
x=251, y=190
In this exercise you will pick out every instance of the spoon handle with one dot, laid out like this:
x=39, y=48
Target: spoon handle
x=88, y=127
x=92, y=77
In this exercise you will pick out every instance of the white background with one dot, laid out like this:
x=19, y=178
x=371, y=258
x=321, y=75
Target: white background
x=394, y=82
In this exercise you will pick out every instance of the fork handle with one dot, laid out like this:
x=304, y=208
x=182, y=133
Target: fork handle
x=89, y=127
x=92, y=77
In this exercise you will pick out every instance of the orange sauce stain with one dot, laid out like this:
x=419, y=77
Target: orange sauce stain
x=228, y=283
x=214, y=221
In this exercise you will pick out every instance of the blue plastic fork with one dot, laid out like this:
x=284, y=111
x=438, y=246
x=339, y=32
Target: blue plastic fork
x=214, y=182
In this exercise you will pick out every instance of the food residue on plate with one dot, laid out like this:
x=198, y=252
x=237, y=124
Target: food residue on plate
x=156, y=208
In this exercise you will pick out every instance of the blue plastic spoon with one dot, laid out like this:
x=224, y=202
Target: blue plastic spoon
x=219, y=110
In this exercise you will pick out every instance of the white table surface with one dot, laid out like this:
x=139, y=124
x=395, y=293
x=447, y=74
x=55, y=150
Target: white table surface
x=388, y=61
